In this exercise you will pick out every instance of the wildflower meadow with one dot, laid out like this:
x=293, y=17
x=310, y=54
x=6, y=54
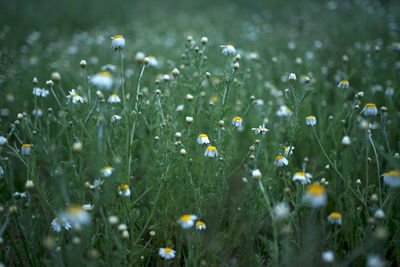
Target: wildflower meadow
x=200, y=133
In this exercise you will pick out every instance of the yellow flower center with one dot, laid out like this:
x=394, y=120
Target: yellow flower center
x=75, y=95
x=315, y=189
x=213, y=148
x=202, y=135
x=394, y=173
x=105, y=74
x=126, y=187
x=237, y=118
x=114, y=95
x=74, y=210
x=167, y=250
x=199, y=223
x=26, y=145
x=370, y=105
x=119, y=188
x=107, y=168
x=186, y=217
x=279, y=157
x=117, y=36
x=287, y=148
x=310, y=117
x=216, y=80
x=344, y=82
x=215, y=98
x=335, y=215
x=301, y=174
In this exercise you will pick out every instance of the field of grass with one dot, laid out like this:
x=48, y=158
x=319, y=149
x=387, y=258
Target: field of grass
x=220, y=133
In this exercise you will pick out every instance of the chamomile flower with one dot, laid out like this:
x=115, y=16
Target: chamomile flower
x=40, y=92
x=260, y=130
x=187, y=220
x=3, y=140
x=96, y=184
x=18, y=194
x=315, y=195
x=280, y=211
x=392, y=178
x=37, y=112
x=117, y=42
x=288, y=150
x=389, y=91
x=153, y=61
x=57, y=225
x=311, y=120
x=26, y=149
x=107, y=171
x=343, y=84
x=281, y=161
x=328, y=256
x=302, y=177
x=115, y=118
x=114, y=99
x=87, y=207
x=180, y=108
x=203, y=139
x=370, y=109
x=237, y=121
x=200, y=225
x=292, y=77
x=211, y=152
x=76, y=216
x=73, y=95
x=335, y=218
x=166, y=253
x=256, y=174
x=123, y=190
x=103, y=80
x=346, y=141
x=228, y=50
x=284, y=111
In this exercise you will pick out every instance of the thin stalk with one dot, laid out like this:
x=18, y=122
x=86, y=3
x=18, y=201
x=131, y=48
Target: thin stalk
x=377, y=167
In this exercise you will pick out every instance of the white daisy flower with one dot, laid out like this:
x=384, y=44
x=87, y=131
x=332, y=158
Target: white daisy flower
x=114, y=99
x=370, y=109
x=189, y=119
x=73, y=95
x=303, y=178
x=211, y=152
x=288, y=150
x=123, y=190
x=103, y=80
x=280, y=211
x=228, y=50
x=152, y=61
x=58, y=224
x=346, y=140
x=180, y=108
x=3, y=140
x=26, y=149
x=37, y=112
x=187, y=220
x=311, y=120
x=200, y=225
x=203, y=139
x=335, y=218
x=260, y=130
x=107, y=171
x=117, y=42
x=97, y=183
x=76, y=216
x=343, y=84
x=115, y=118
x=315, y=195
x=87, y=207
x=167, y=253
x=256, y=174
x=237, y=121
x=292, y=77
x=281, y=161
x=392, y=178
x=284, y=111
x=18, y=194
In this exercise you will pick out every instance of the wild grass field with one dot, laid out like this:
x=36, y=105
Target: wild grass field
x=188, y=133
